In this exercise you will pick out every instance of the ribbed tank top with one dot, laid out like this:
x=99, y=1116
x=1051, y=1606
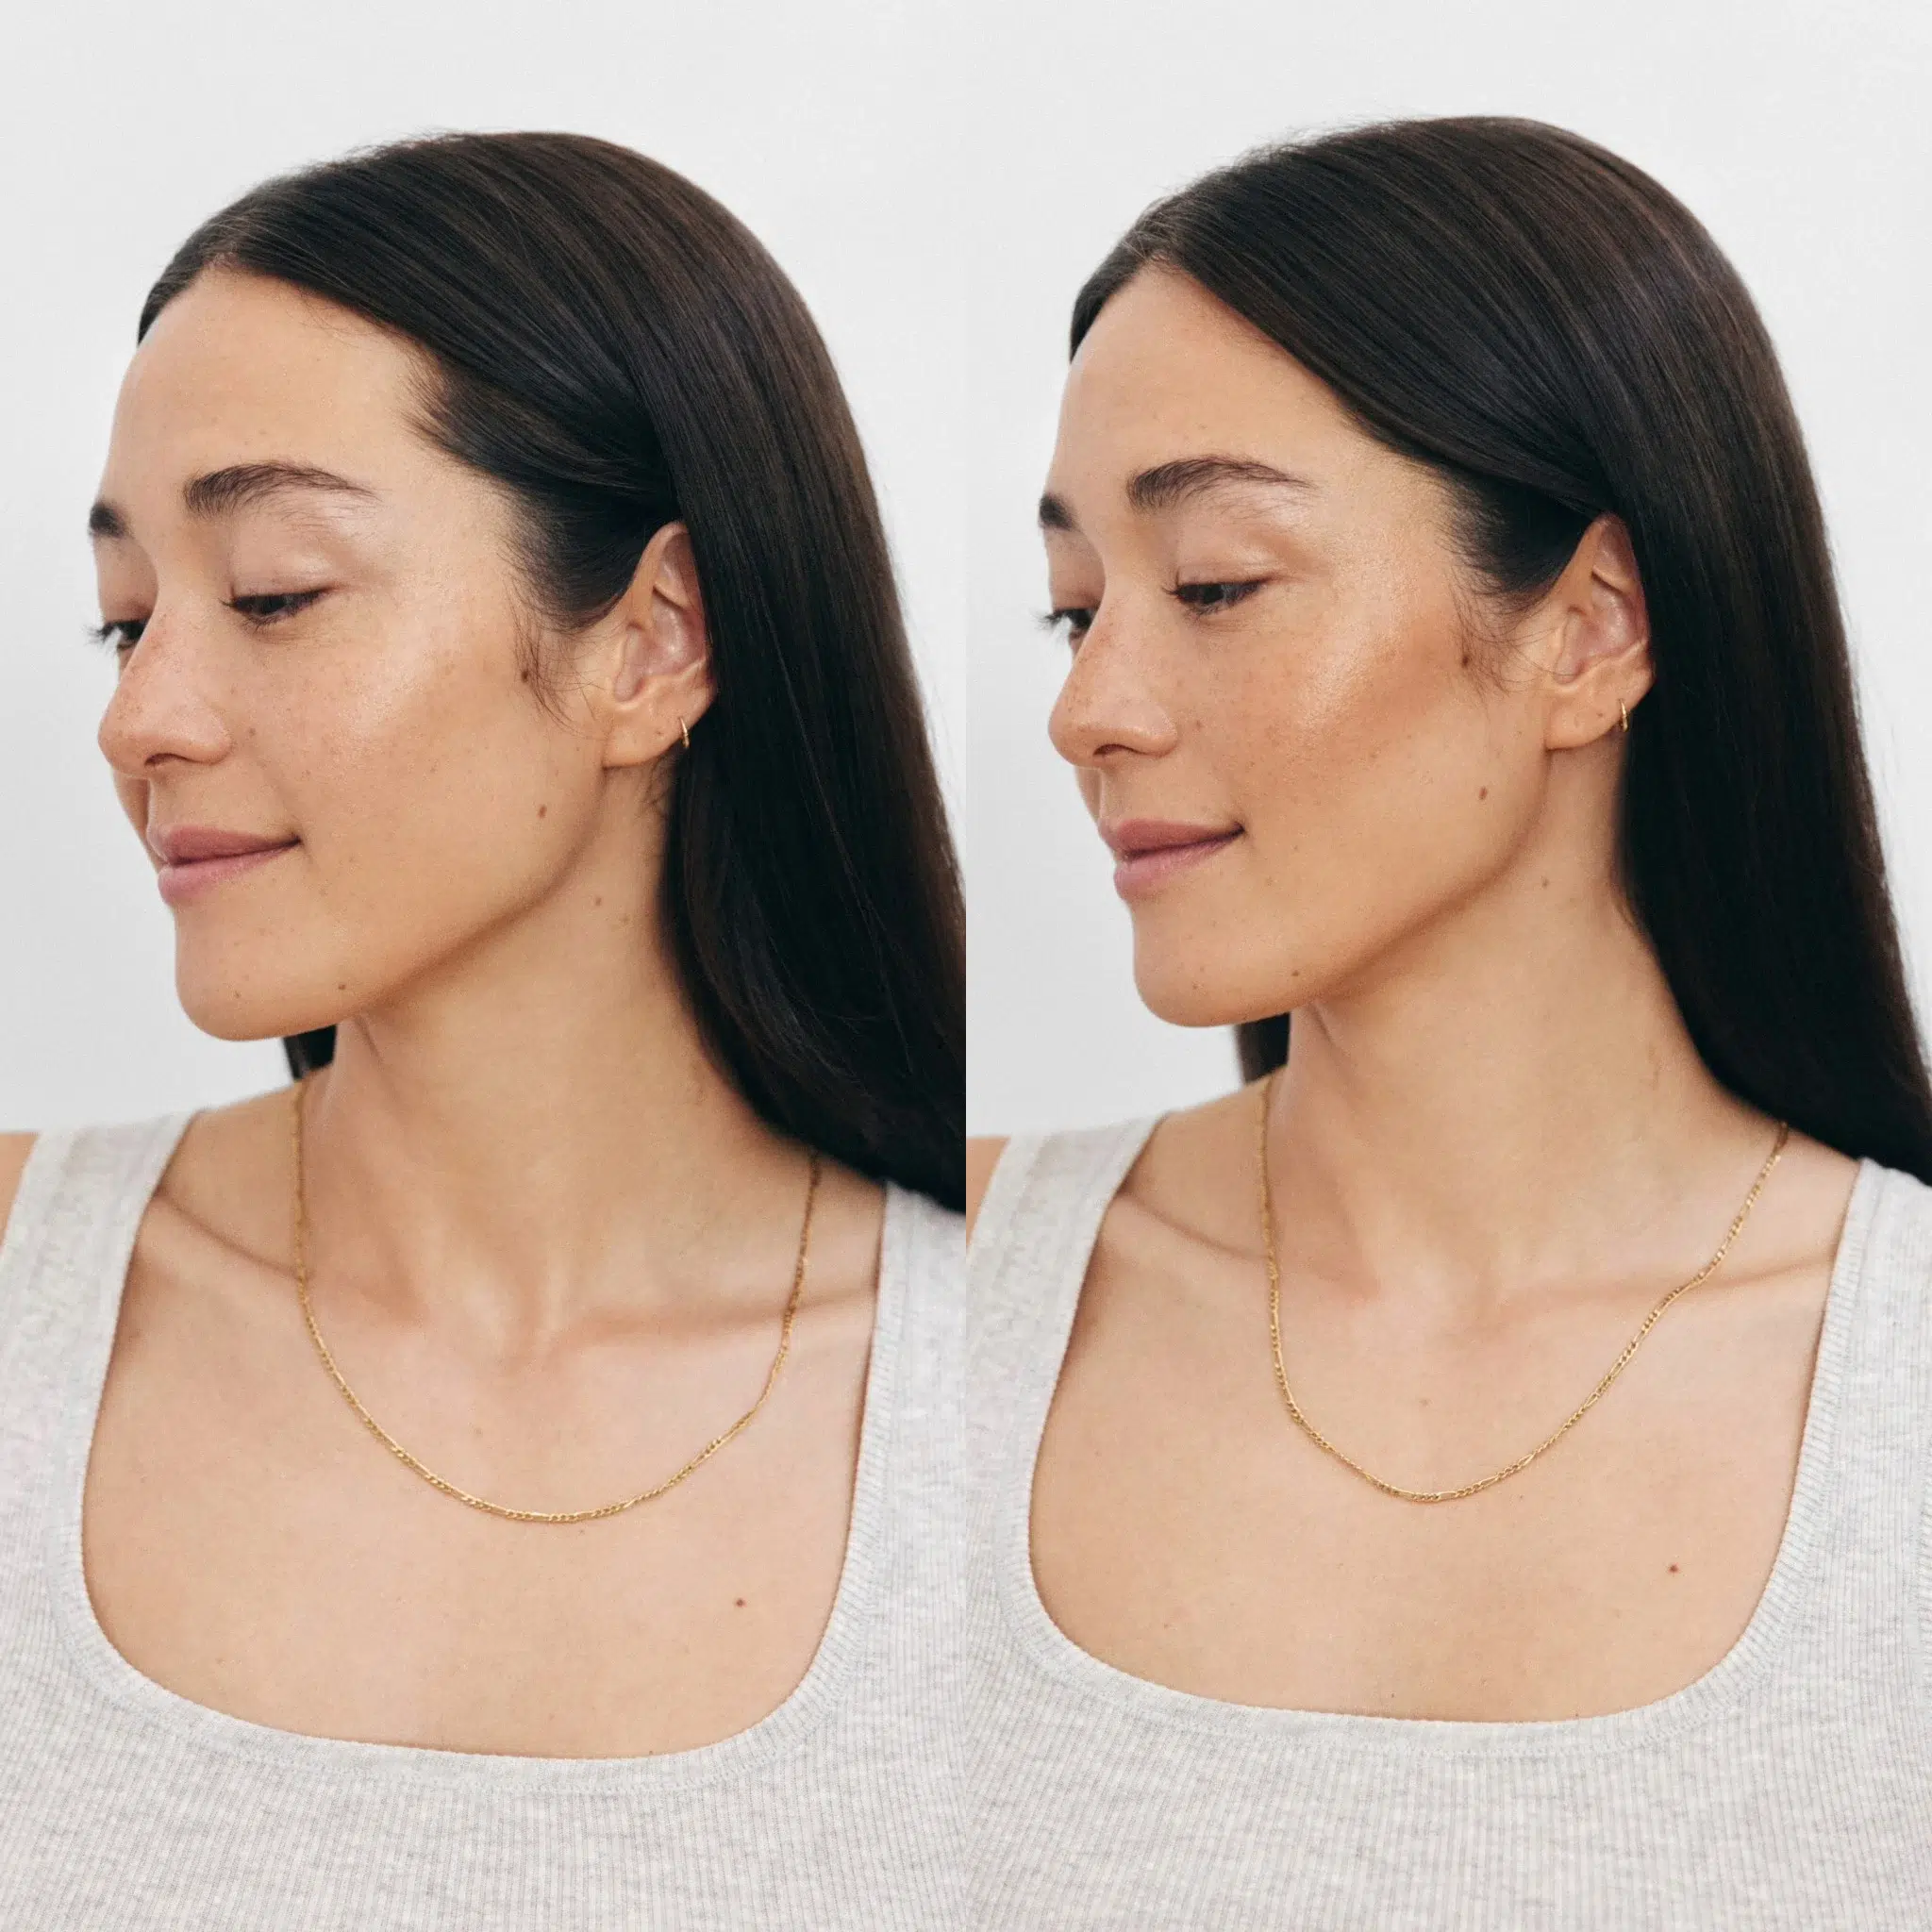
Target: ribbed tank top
x=1789, y=1787
x=126, y=1807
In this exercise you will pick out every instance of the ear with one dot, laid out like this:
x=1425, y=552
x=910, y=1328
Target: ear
x=657, y=682
x=1596, y=646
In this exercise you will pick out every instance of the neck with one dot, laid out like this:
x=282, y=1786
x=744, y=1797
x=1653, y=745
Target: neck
x=1516, y=1092
x=540, y=1133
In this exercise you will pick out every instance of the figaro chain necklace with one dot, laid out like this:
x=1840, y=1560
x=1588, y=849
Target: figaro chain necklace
x=461, y=1495
x=1575, y=1415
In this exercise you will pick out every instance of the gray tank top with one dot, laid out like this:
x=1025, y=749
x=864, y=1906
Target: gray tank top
x=1789, y=1787
x=124, y=1807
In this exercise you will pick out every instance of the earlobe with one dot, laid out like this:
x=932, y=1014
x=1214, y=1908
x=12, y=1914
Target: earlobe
x=1601, y=662
x=663, y=682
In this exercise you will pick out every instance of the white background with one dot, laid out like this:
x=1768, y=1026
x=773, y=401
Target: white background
x=938, y=178
x=122, y=125
x=1797, y=132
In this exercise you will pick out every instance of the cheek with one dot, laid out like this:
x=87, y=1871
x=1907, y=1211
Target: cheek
x=428, y=784
x=1377, y=782
x=1359, y=726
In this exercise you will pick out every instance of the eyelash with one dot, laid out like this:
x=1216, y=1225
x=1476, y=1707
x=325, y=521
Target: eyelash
x=123, y=634
x=1075, y=619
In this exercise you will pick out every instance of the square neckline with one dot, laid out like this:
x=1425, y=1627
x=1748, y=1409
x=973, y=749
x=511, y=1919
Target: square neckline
x=1705, y=1697
x=102, y=1263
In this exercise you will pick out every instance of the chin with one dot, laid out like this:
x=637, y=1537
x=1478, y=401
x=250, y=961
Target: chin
x=1171, y=992
x=1200, y=984
x=239, y=1006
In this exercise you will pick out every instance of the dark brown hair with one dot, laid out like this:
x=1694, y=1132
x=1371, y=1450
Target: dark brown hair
x=1544, y=326
x=618, y=351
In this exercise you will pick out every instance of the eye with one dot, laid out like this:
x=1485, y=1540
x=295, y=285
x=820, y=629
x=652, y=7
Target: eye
x=271, y=607
x=1073, y=621
x=1209, y=597
x=120, y=634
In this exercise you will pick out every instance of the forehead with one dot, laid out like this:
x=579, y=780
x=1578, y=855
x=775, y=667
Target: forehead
x=1167, y=371
x=240, y=369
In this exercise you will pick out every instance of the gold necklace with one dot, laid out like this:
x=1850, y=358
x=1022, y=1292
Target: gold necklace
x=1575, y=1416
x=450, y=1488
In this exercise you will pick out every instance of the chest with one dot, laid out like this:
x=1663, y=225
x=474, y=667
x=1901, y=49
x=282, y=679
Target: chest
x=251, y=1546
x=1187, y=1531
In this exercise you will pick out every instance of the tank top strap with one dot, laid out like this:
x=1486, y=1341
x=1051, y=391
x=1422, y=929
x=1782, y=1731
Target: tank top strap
x=1027, y=1260
x=1872, y=1572
x=64, y=1256
x=916, y=1355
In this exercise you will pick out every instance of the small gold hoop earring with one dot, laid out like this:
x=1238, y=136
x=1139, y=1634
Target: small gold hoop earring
x=1625, y=710
x=684, y=732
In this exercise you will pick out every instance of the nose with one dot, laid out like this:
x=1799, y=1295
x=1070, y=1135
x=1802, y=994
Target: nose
x=1110, y=707
x=160, y=708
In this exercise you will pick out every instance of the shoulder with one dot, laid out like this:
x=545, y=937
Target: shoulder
x=982, y=1156
x=15, y=1149
x=1900, y=1224
x=1028, y=1189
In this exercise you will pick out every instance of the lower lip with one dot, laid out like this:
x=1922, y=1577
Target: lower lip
x=180, y=883
x=1147, y=872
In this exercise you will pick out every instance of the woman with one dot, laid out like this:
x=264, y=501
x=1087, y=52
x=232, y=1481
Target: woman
x=509, y=1487
x=1455, y=663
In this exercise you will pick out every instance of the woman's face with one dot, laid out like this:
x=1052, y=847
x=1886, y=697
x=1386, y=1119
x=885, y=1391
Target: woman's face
x=1281, y=721
x=317, y=622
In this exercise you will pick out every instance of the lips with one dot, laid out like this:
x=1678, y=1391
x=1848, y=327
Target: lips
x=189, y=844
x=1149, y=852
x=196, y=858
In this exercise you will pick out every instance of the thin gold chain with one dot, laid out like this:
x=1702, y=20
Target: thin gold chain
x=1575, y=1415
x=463, y=1495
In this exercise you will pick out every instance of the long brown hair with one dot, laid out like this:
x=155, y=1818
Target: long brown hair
x=1544, y=325
x=618, y=351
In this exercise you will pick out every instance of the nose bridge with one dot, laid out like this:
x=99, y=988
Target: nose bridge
x=1111, y=698
x=161, y=704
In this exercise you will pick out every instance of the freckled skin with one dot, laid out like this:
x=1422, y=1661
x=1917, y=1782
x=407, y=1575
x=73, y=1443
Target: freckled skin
x=1333, y=715
x=550, y=1240
x=1495, y=1144
x=387, y=727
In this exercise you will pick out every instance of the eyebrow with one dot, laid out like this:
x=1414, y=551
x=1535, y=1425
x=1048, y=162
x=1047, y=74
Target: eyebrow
x=1167, y=484
x=234, y=488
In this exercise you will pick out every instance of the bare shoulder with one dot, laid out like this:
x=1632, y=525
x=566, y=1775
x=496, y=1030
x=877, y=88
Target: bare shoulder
x=1796, y=1229
x=15, y=1149
x=1198, y=1170
x=982, y=1156
x=228, y=1183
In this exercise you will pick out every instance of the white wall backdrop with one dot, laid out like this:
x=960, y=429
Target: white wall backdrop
x=1796, y=130
x=939, y=176
x=828, y=127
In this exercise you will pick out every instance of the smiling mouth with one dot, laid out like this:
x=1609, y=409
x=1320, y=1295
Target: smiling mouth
x=1143, y=862
x=188, y=878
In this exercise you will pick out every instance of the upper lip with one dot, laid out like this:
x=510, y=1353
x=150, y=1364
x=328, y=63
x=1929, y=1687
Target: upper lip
x=184, y=845
x=1130, y=838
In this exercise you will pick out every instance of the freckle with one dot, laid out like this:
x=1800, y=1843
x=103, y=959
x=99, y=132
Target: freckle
x=598, y=900
x=1546, y=882
x=541, y=809
x=341, y=986
x=1484, y=793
